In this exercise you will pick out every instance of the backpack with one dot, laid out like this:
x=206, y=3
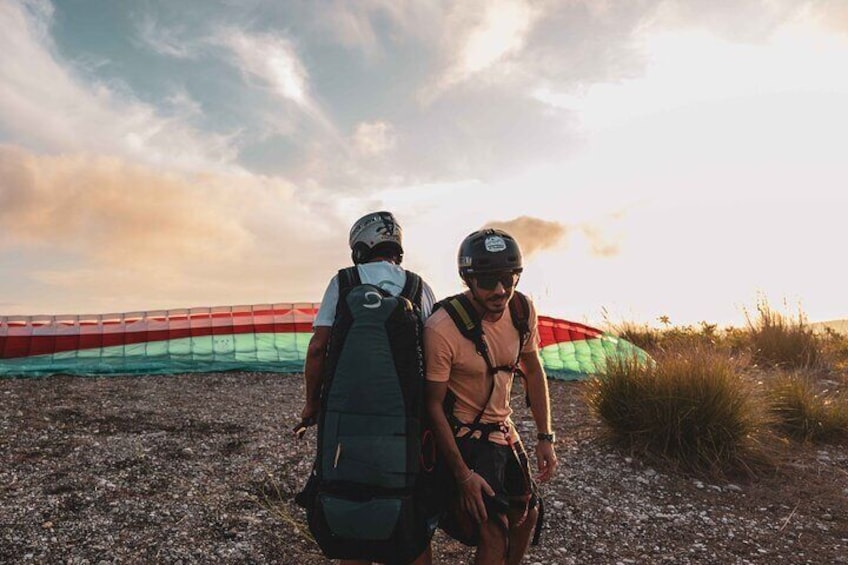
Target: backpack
x=469, y=324
x=366, y=496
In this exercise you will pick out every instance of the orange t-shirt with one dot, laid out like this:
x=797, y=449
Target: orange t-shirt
x=452, y=358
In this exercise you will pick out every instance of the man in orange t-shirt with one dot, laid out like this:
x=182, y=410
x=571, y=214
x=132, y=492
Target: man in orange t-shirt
x=495, y=502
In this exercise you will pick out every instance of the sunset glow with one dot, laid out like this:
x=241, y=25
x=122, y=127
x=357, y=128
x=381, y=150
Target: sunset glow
x=679, y=160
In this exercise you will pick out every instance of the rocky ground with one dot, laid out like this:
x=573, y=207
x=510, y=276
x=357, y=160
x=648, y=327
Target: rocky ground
x=202, y=469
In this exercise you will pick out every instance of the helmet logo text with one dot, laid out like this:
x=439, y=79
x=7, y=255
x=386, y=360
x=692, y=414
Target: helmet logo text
x=495, y=244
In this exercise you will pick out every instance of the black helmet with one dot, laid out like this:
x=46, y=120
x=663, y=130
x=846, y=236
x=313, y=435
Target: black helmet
x=377, y=232
x=487, y=251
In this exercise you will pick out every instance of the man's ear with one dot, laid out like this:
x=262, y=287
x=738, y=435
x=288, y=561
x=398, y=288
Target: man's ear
x=360, y=253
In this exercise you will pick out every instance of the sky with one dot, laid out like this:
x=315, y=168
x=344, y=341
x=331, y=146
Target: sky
x=653, y=158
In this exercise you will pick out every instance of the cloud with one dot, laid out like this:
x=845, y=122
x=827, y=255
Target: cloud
x=112, y=210
x=485, y=132
x=273, y=60
x=50, y=105
x=168, y=41
x=745, y=21
x=479, y=36
x=600, y=245
x=536, y=235
x=373, y=138
x=374, y=26
x=103, y=227
x=533, y=234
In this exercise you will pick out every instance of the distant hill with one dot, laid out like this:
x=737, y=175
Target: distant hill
x=840, y=326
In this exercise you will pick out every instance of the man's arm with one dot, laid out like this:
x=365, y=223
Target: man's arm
x=313, y=371
x=540, y=406
x=471, y=485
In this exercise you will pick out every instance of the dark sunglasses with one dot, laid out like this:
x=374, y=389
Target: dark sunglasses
x=490, y=281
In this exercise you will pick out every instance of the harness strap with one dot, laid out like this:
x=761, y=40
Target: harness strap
x=348, y=278
x=470, y=325
x=540, y=520
x=413, y=289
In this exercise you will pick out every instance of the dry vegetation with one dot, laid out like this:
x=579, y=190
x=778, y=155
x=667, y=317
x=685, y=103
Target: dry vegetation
x=742, y=462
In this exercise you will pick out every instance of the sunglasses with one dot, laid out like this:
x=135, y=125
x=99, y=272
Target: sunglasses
x=490, y=281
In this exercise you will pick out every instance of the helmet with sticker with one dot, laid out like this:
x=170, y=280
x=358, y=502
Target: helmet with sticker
x=374, y=235
x=488, y=251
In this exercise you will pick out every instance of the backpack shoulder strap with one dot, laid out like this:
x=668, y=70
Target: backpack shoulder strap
x=466, y=319
x=413, y=289
x=468, y=322
x=348, y=278
x=519, y=308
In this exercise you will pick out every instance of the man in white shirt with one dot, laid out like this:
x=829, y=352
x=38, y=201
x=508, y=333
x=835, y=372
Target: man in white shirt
x=377, y=251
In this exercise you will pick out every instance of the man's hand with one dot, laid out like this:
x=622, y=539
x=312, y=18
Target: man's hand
x=308, y=417
x=471, y=496
x=546, y=459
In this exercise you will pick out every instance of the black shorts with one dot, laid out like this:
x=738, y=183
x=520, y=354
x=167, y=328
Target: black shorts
x=506, y=471
x=508, y=474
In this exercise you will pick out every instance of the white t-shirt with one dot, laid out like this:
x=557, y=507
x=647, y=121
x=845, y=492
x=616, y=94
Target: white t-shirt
x=386, y=275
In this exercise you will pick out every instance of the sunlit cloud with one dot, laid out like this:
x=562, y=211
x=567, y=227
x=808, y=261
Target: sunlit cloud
x=273, y=61
x=502, y=31
x=600, y=244
x=204, y=237
x=685, y=68
x=536, y=235
x=373, y=138
x=488, y=32
x=107, y=208
x=533, y=234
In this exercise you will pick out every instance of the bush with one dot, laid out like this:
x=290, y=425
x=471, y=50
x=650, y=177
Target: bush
x=642, y=336
x=777, y=340
x=670, y=337
x=689, y=408
x=834, y=349
x=804, y=413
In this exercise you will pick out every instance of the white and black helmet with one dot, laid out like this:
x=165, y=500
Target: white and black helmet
x=377, y=233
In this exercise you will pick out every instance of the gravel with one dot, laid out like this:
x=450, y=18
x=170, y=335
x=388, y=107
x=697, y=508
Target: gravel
x=203, y=469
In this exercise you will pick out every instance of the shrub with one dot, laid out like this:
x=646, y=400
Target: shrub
x=834, y=349
x=777, y=340
x=676, y=337
x=642, y=336
x=689, y=408
x=803, y=412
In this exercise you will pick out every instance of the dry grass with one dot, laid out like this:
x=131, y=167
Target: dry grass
x=782, y=341
x=716, y=398
x=690, y=408
x=804, y=412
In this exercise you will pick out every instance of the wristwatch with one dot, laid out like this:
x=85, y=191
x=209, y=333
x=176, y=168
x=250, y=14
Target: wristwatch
x=551, y=437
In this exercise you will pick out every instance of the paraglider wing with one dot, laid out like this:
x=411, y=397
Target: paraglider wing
x=573, y=351
x=262, y=337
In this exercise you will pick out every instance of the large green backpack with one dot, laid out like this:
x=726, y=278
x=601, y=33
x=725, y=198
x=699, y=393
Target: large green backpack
x=365, y=498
